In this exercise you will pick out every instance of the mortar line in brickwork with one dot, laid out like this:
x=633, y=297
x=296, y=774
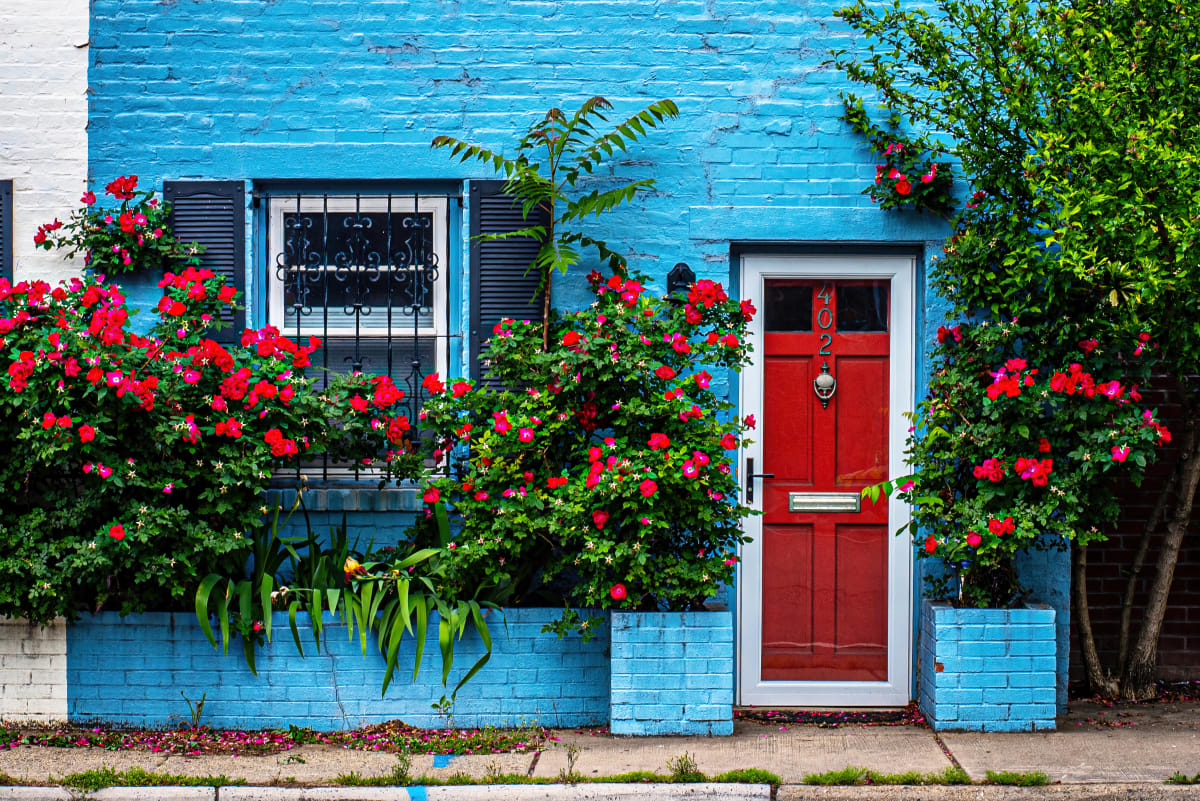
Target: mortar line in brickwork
x=937, y=738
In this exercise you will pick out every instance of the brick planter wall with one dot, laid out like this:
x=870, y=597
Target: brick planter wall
x=132, y=670
x=672, y=673
x=33, y=671
x=987, y=669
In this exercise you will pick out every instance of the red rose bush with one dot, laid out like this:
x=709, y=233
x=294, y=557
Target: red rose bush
x=602, y=474
x=1016, y=448
x=131, y=466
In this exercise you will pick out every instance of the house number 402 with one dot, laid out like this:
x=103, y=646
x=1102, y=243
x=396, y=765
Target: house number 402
x=825, y=320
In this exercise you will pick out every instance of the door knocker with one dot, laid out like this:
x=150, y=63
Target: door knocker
x=825, y=385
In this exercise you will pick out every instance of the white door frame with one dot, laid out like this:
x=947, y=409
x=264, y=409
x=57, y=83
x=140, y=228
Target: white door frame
x=755, y=270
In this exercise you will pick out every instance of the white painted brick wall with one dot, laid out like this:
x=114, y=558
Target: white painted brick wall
x=33, y=671
x=43, y=122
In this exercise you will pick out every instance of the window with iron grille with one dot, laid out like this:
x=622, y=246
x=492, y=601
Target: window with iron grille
x=365, y=274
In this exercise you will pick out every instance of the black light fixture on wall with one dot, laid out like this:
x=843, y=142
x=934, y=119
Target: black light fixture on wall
x=680, y=277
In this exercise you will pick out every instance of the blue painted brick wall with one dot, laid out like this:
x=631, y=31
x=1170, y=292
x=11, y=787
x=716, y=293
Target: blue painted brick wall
x=355, y=89
x=672, y=673
x=988, y=669
x=133, y=670
x=372, y=516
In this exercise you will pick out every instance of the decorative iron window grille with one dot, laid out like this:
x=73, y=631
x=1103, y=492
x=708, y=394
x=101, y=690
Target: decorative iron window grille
x=364, y=273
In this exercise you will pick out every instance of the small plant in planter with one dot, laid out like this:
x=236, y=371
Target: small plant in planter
x=133, y=235
x=1014, y=449
x=602, y=474
x=910, y=175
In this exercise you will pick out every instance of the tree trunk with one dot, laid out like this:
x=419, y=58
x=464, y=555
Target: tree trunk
x=1139, y=561
x=1099, y=680
x=546, y=310
x=1138, y=677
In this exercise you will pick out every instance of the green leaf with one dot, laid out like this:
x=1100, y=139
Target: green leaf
x=203, y=592
x=446, y=642
x=223, y=618
x=293, y=607
x=420, y=604
x=419, y=556
x=402, y=586
x=265, y=588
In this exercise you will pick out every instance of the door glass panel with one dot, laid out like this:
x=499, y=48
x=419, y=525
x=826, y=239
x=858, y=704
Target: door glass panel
x=788, y=307
x=862, y=307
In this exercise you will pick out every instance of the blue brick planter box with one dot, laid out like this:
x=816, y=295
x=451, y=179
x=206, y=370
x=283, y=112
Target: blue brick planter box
x=988, y=669
x=131, y=670
x=672, y=673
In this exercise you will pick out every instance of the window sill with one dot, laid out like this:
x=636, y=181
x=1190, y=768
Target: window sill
x=352, y=498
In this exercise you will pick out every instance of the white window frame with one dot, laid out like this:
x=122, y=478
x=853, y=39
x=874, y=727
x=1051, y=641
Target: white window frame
x=341, y=324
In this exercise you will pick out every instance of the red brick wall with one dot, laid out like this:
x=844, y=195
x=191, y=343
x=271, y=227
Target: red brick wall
x=1108, y=565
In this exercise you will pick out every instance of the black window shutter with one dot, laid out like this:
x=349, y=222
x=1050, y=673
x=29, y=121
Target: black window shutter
x=213, y=213
x=6, y=225
x=502, y=283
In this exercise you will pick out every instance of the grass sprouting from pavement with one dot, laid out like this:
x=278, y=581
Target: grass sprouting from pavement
x=100, y=778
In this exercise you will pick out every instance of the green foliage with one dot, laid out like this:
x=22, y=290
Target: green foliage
x=195, y=709
x=856, y=776
x=1118, y=175
x=92, y=780
x=132, y=466
x=1033, y=778
x=1076, y=124
x=847, y=775
x=400, y=776
x=979, y=73
x=1182, y=778
x=748, y=776
x=584, y=486
x=134, y=235
x=550, y=172
x=951, y=774
x=684, y=769
x=384, y=594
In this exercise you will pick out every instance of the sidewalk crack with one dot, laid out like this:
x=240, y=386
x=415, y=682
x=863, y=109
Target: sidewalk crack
x=937, y=738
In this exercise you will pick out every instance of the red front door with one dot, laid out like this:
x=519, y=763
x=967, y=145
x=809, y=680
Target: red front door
x=824, y=431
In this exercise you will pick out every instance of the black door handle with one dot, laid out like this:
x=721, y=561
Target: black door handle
x=750, y=476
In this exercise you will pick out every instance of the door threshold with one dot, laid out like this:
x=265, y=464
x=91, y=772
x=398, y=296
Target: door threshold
x=831, y=717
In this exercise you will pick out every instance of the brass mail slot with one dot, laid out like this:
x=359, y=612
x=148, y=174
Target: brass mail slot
x=824, y=502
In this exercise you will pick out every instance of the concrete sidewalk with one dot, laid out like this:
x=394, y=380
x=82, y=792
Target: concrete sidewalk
x=1097, y=752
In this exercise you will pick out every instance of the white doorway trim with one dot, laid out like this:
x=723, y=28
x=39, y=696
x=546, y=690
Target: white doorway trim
x=755, y=270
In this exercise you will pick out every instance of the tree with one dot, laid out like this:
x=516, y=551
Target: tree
x=572, y=149
x=1076, y=123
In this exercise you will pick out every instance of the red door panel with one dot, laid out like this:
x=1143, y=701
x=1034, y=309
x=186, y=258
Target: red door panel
x=825, y=582
x=861, y=594
x=789, y=448
x=784, y=637
x=860, y=457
